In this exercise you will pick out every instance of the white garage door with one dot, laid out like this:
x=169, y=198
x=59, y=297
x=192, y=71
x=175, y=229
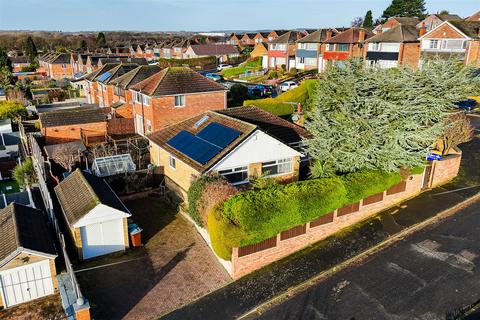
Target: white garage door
x=102, y=238
x=26, y=283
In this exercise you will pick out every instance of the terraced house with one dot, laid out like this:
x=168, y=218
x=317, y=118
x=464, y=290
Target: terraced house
x=309, y=53
x=172, y=95
x=105, y=86
x=396, y=46
x=238, y=143
x=56, y=65
x=453, y=38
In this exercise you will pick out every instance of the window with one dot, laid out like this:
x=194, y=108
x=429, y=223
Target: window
x=235, y=175
x=137, y=97
x=177, y=49
x=172, y=161
x=330, y=47
x=146, y=100
x=301, y=60
x=148, y=126
x=374, y=46
x=343, y=47
x=272, y=168
x=434, y=44
x=179, y=101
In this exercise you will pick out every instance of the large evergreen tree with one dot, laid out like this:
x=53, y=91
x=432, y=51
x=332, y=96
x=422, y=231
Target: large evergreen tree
x=83, y=44
x=5, y=61
x=101, y=39
x=368, y=20
x=370, y=118
x=405, y=8
x=30, y=50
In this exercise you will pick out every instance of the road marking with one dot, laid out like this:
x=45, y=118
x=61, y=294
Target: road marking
x=109, y=264
x=451, y=191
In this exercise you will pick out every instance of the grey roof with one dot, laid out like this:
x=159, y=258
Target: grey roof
x=22, y=227
x=399, y=33
x=71, y=116
x=288, y=37
x=10, y=138
x=135, y=76
x=448, y=17
x=318, y=36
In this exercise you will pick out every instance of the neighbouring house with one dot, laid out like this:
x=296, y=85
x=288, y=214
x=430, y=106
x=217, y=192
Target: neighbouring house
x=345, y=45
x=434, y=20
x=27, y=256
x=453, y=38
x=179, y=48
x=309, y=53
x=69, y=125
x=474, y=17
x=234, y=39
x=91, y=88
x=125, y=60
x=261, y=51
x=96, y=217
x=92, y=62
x=172, y=95
x=274, y=34
x=395, y=21
x=56, y=65
x=105, y=86
x=248, y=39
x=121, y=51
x=166, y=51
x=18, y=63
x=78, y=63
x=122, y=96
x=261, y=37
x=223, y=52
x=238, y=143
x=140, y=51
x=281, y=51
x=394, y=47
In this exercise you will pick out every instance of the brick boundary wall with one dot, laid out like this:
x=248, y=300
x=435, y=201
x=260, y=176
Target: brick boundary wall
x=250, y=258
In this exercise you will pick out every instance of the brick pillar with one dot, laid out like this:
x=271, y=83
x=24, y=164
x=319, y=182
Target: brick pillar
x=81, y=309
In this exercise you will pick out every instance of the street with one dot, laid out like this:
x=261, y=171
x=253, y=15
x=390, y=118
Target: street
x=423, y=277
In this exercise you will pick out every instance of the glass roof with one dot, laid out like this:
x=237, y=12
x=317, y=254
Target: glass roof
x=112, y=165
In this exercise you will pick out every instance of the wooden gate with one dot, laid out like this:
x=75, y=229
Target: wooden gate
x=427, y=175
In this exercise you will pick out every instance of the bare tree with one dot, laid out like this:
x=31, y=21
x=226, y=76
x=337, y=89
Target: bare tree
x=66, y=155
x=457, y=130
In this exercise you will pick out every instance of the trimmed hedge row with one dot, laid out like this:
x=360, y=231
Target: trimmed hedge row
x=256, y=215
x=277, y=106
x=194, y=195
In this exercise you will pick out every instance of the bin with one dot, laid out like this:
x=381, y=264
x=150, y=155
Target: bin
x=135, y=234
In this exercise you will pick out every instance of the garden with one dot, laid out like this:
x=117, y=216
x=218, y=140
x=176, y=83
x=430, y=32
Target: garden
x=371, y=128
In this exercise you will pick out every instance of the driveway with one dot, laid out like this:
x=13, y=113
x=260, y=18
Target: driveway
x=173, y=267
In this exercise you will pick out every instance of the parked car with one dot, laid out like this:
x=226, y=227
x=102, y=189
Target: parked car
x=223, y=66
x=261, y=90
x=467, y=105
x=288, y=85
x=213, y=76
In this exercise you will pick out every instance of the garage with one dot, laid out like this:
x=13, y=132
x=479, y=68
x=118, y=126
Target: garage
x=27, y=256
x=97, y=218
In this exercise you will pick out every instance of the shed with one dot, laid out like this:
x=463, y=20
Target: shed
x=97, y=218
x=27, y=256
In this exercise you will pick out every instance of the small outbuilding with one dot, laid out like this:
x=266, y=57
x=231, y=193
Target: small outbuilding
x=97, y=218
x=27, y=256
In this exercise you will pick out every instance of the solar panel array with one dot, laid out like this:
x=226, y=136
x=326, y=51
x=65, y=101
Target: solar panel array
x=104, y=76
x=206, y=144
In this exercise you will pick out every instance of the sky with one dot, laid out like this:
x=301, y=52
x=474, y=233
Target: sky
x=197, y=15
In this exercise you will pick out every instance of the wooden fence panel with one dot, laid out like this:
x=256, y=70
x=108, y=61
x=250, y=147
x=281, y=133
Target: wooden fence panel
x=256, y=247
x=401, y=187
x=373, y=199
x=328, y=218
x=293, y=232
x=348, y=209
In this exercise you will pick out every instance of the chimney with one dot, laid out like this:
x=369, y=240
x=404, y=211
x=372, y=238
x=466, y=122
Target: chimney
x=329, y=34
x=423, y=30
x=361, y=35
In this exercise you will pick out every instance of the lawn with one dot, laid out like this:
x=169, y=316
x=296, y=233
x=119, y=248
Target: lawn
x=249, y=65
x=9, y=186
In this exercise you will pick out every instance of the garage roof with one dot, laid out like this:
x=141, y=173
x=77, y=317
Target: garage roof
x=23, y=228
x=81, y=191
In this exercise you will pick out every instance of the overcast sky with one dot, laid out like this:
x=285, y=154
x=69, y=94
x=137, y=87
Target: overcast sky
x=197, y=15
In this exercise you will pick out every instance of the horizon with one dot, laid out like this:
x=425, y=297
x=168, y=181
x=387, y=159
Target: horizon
x=183, y=15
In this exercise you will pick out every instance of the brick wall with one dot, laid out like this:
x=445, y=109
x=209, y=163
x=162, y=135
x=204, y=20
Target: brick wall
x=445, y=170
x=473, y=53
x=444, y=32
x=62, y=134
x=410, y=54
x=120, y=126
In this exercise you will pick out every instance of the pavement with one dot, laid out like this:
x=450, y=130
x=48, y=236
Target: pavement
x=426, y=276
x=238, y=298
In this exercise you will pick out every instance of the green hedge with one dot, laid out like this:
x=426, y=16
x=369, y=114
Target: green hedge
x=194, y=195
x=277, y=106
x=256, y=215
x=193, y=62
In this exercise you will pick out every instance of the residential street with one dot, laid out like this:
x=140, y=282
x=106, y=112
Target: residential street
x=422, y=277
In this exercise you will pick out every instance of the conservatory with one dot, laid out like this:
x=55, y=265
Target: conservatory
x=112, y=165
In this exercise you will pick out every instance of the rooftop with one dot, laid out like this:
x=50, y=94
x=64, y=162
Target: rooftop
x=70, y=117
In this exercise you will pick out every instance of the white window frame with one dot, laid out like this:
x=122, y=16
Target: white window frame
x=175, y=101
x=146, y=100
x=172, y=162
x=235, y=170
x=148, y=126
x=286, y=161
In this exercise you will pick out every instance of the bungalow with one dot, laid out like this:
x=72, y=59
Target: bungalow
x=172, y=95
x=18, y=63
x=96, y=217
x=238, y=143
x=56, y=65
x=281, y=51
x=394, y=47
x=309, y=53
x=68, y=125
x=453, y=38
x=26, y=248
x=345, y=45
x=434, y=20
x=122, y=96
x=222, y=52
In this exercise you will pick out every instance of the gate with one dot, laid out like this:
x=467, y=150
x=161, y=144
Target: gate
x=427, y=175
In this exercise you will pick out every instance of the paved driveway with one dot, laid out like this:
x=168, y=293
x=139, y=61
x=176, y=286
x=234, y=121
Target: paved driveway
x=174, y=267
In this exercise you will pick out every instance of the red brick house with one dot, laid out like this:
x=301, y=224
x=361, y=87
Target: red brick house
x=248, y=39
x=474, y=17
x=395, y=21
x=18, y=63
x=274, y=34
x=92, y=92
x=172, y=95
x=345, y=45
x=56, y=65
x=453, y=38
x=261, y=37
x=105, y=86
x=281, y=51
x=235, y=39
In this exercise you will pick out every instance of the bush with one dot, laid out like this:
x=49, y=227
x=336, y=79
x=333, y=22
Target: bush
x=194, y=195
x=24, y=173
x=272, y=75
x=256, y=215
x=238, y=94
x=277, y=105
x=293, y=71
x=214, y=193
x=11, y=110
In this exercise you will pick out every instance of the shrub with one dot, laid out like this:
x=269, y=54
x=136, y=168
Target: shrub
x=11, y=110
x=194, y=195
x=278, y=105
x=238, y=94
x=259, y=214
x=293, y=71
x=272, y=75
x=24, y=173
x=214, y=193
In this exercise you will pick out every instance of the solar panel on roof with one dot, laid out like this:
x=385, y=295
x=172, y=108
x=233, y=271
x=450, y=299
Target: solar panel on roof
x=104, y=76
x=218, y=134
x=197, y=149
